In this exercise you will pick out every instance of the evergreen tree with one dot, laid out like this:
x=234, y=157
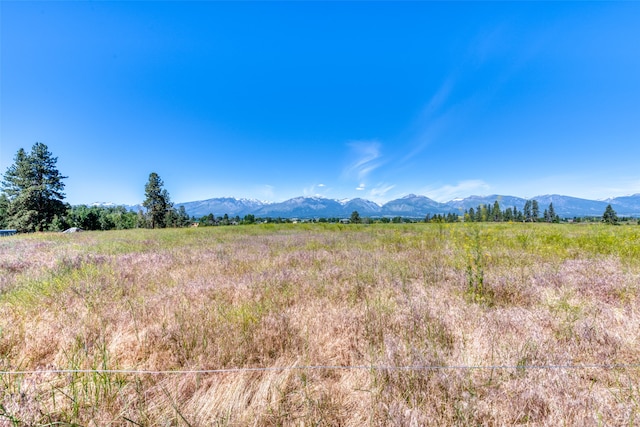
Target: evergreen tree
x=141, y=219
x=208, y=220
x=535, y=210
x=4, y=210
x=249, y=219
x=486, y=213
x=496, y=214
x=527, y=210
x=478, y=217
x=34, y=189
x=508, y=215
x=553, y=217
x=183, y=217
x=610, y=216
x=355, y=217
x=58, y=223
x=157, y=201
x=171, y=218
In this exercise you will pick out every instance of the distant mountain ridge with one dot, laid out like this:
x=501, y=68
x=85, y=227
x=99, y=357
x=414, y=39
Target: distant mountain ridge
x=412, y=205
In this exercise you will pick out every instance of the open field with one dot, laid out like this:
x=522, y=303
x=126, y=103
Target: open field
x=535, y=301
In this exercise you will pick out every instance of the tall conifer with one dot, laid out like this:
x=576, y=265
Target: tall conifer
x=34, y=188
x=156, y=201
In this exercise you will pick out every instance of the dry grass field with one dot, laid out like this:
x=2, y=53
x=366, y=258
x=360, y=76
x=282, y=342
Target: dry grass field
x=420, y=312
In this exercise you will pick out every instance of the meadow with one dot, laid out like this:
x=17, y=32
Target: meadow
x=352, y=325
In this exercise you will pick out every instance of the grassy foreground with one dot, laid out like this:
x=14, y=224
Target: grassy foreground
x=520, y=296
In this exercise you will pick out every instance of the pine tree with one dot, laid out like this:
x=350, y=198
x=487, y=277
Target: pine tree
x=355, y=217
x=535, y=210
x=609, y=216
x=527, y=210
x=472, y=215
x=508, y=215
x=157, y=201
x=478, y=214
x=209, y=219
x=183, y=217
x=552, y=214
x=496, y=213
x=141, y=220
x=4, y=210
x=34, y=188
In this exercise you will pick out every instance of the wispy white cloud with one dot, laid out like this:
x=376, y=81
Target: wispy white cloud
x=361, y=187
x=461, y=189
x=431, y=131
x=365, y=159
x=440, y=97
x=436, y=116
x=490, y=43
x=455, y=101
x=315, y=190
x=379, y=191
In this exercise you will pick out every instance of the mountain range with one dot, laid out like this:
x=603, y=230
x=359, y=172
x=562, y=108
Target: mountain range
x=413, y=206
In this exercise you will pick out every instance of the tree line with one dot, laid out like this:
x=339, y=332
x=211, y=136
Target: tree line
x=32, y=199
x=113, y=218
x=529, y=213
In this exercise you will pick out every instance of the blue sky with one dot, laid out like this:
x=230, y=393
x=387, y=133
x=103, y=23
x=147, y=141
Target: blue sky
x=338, y=99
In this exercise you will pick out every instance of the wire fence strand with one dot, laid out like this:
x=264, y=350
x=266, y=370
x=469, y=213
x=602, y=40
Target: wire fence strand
x=324, y=367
